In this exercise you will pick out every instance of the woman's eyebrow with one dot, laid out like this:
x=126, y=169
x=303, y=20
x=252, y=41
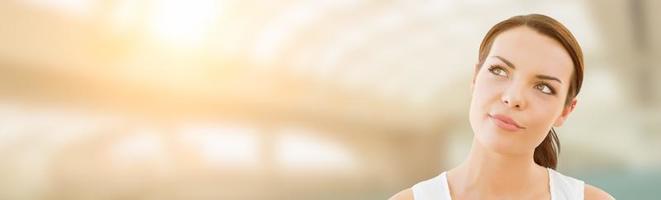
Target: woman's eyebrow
x=547, y=77
x=539, y=76
x=507, y=62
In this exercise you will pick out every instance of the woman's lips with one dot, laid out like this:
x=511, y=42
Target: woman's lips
x=505, y=122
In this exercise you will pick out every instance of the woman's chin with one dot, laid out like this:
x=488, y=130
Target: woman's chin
x=502, y=144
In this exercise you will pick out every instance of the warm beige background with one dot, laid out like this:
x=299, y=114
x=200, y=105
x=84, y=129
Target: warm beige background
x=166, y=99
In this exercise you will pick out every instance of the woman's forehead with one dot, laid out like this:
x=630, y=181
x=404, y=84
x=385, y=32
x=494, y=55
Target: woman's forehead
x=529, y=50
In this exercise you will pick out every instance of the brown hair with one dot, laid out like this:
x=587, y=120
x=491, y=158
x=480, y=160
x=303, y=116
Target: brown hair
x=546, y=154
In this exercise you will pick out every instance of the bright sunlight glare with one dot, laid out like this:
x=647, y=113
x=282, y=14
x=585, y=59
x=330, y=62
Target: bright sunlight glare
x=182, y=23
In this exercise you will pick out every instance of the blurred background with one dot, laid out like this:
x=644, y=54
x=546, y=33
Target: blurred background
x=292, y=99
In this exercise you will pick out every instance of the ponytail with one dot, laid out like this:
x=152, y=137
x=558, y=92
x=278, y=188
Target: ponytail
x=546, y=154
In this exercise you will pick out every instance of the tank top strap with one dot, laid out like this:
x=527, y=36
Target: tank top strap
x=564, y=187
x=433, y=189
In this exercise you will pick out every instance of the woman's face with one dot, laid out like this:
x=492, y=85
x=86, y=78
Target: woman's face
x=520, y=90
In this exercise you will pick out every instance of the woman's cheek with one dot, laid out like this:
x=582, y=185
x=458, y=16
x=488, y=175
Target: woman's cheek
x=485, y=92
x=551, y=105
x=544, y=113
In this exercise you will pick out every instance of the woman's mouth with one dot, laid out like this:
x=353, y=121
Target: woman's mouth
x=505, y=122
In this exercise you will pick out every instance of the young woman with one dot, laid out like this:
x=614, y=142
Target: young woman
x=528, y=73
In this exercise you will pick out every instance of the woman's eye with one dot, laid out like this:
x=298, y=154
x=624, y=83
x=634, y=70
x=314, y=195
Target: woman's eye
x=499, y=71
x=545, y=89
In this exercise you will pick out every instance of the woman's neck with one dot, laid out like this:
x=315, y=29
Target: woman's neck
x=491, y=174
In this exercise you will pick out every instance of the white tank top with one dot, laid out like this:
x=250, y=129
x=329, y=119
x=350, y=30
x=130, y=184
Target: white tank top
x=562, y=187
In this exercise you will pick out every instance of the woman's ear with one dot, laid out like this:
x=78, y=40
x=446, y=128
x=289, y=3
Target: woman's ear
x=565, y=113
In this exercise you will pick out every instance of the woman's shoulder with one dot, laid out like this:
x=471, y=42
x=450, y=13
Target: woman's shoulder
x=590, y=192
x=406, y=194
x=595, y=193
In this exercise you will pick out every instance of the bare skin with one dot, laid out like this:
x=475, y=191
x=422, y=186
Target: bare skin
x=526, y=78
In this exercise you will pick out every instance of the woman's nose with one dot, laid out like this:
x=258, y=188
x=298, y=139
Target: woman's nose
x=513, y=98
